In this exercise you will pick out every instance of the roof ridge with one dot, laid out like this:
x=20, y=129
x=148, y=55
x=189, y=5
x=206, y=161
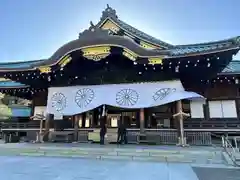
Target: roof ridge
x=110, y=13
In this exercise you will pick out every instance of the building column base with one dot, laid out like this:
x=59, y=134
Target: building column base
x=182, y=142
x=39, y=137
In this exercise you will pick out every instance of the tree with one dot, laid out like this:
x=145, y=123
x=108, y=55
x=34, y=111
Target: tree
x=5, y=111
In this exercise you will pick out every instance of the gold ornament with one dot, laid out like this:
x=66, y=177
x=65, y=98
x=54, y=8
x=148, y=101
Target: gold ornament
x=96, y=53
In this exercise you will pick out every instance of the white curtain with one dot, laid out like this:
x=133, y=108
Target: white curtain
x=222, y=109
x=215, y=109
x=229, y=109
x=77, y=99
x=196, y=108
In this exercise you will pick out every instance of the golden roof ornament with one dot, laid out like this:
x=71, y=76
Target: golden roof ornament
x=96, y=53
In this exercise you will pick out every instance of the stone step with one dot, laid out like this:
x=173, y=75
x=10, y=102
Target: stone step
x=118, y=154
x=113, y=152
x=133, y=152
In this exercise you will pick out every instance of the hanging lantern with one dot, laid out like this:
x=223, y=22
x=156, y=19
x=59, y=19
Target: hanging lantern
x=177, y=69
x=236, y=81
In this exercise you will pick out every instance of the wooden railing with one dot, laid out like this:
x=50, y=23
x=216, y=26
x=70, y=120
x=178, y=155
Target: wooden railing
x=19, y=125
x=205, y=126
x=210, y=124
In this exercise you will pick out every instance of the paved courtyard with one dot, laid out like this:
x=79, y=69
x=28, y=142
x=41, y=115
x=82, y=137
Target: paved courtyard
x=13, y=167
x=45, y=168
x=39, y=168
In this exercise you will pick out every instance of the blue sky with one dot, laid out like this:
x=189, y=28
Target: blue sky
x=35, y=29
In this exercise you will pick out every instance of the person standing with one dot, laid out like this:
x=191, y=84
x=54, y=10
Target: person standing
x=103, y=130
x=120, y=132
x=124, y=133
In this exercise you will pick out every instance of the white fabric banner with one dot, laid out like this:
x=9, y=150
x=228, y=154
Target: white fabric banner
x=77, y=99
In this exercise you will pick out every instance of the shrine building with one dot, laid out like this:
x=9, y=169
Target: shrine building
x=116, y=71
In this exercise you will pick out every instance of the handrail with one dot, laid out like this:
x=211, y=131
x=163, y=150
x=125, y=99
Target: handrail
x=230, y=150
x=216, y=135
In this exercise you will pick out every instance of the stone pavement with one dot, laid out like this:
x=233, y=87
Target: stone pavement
x=36, y=168
x=47, y=168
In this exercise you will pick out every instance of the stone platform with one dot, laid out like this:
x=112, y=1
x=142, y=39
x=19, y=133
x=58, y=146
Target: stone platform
x=169, y=154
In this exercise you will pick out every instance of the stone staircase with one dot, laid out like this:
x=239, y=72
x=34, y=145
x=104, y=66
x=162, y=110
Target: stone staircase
x=232, y=159
x=180, y=155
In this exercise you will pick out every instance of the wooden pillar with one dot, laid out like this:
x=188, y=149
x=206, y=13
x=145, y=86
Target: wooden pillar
x=41, y=126
x=48, y=122
x=142, y=120
x=95, y=117
x=84, y=115
x=179, y=116
x=146, y=118
x=177, y=119
x=47, y=127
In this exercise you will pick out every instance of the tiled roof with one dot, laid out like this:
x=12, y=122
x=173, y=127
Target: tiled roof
x=141, y=34
x=11, y=84
x=203, y=47
x=232, y=68
x=110, y=13
x=22, y=64
x=175, y=50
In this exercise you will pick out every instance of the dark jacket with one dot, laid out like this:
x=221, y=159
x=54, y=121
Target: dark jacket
x=103, y=130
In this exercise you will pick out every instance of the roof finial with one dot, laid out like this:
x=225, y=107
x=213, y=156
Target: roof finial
x=109, y=12
x=91, y=24
x=238, y=40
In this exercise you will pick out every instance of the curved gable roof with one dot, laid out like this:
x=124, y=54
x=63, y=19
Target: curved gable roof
x=101, y=37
